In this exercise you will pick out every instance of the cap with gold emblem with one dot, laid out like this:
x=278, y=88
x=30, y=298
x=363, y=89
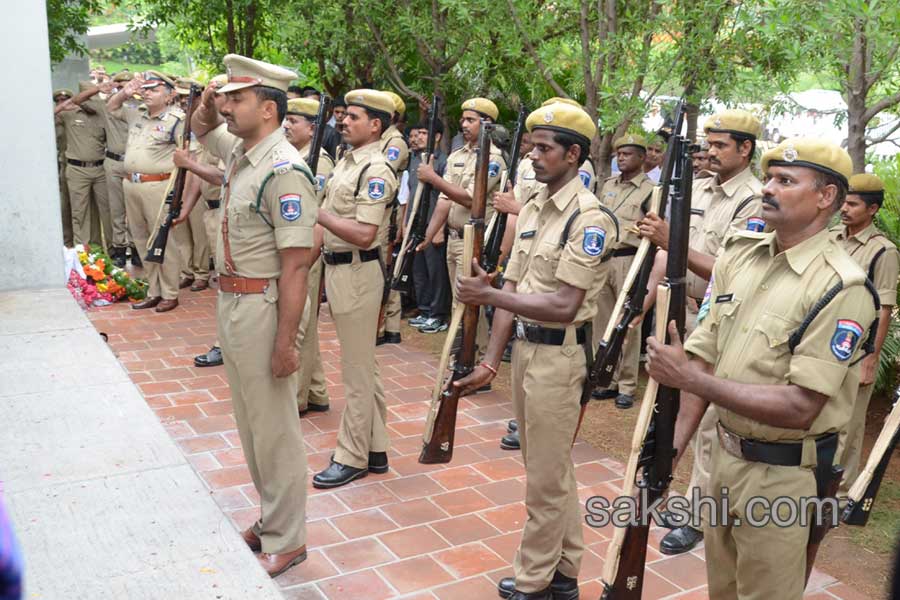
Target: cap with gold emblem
x=62, y=92
x=122, y=76
x=812, y=153
x=740, y=122
x=183, y=85
x=562, y=117
x=568, y=101
x=399, y=104
x=630, y=139
x=220, y=80
x=371, y=99
x=155, y=78
x=483, y=107
x=246, y=72
x=306, y=107
x=868, y=186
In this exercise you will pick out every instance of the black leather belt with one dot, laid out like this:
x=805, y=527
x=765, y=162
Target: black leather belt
x=538, y=334
x=345, y=258
x=84, y=163
x=213, y=204
x=784, y=454
x=625, y=251
x=114, y=156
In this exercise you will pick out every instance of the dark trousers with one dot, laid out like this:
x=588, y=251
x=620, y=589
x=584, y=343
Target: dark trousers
x=431, y=282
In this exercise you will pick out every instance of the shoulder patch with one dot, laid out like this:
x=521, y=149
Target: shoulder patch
x=376, y=188
x=290, y=206
x=594, y=240
x=846, y=335
x=320, y=183
x=755, y=224
x=393, y=153
x=585, y=177
x=493, y=168
x=281, y=164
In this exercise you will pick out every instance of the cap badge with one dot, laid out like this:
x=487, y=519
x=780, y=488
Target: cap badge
x=790, y=153
x=630, y=139
x=228, y=72
x=548, y=116
x=718, y=122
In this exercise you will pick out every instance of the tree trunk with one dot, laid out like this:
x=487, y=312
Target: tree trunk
x=230, y=36
x=856, y=132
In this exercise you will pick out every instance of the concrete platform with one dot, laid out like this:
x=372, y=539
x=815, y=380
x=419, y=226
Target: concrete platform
x=104, y=503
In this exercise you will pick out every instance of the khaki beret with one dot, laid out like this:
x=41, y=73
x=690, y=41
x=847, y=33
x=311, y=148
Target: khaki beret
x=125, y=75
x=736, y=121
x=183, y=85
x=303, y=106
x=371, y=99
x=246, y=72
x=155, y=78
x=399, y=104
x=868, y=186
x=219, y=80
x=62, y=92
x=812, y=153
x=568, y=101
x=630, y=139
x=562, y=117
x=482, y=106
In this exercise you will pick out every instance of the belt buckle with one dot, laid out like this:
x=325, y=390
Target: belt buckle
x=730, y=442
x=520, y=330
x=135, y=178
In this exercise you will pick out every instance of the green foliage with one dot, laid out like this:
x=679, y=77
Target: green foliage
x=888, y=221
x=67, y=21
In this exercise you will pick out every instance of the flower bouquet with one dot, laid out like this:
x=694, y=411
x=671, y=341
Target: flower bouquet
x=96, y=281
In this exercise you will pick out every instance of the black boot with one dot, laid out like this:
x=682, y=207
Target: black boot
x=561, y=588
x=136, y=258
x=510, y=441
x=680, y=540
x=337, y=475
x=378, y=462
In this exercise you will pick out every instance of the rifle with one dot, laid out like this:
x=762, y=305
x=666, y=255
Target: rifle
x=623, y=574
x=156, y=249
x=402, y=279
x=315, y=147
x=441, y=424
x=497, y=227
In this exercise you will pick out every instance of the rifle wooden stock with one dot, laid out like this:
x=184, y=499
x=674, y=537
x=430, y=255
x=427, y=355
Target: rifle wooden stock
x=864, y=490
x=441, y=425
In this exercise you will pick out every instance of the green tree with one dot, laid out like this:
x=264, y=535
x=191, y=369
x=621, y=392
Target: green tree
x=67, y=22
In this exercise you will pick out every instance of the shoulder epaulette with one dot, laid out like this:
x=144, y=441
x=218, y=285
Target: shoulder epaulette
x=845, y=266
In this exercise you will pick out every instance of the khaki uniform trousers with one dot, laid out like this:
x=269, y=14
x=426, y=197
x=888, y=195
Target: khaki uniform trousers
x=87, y=196
x=393, y=308
x=143, y=201
x=65, y=208
x=194, y=244
x=115, y=173
x=756, y=563
x=212, y=223
x=454, y=262
x=626, y=375
x=547, y=383
x=265, y=410
x=312, y=388
x=354, y=298
x=850, y=440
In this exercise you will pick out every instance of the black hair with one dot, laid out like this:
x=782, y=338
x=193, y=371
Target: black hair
x=439, y=126
x=871, y=198
x=264, y=93
x=295, y=89
x=740, y=139
x=824, y=179
x=383, y=117
x=567, y=140
x=339, y=101
x=308, y=91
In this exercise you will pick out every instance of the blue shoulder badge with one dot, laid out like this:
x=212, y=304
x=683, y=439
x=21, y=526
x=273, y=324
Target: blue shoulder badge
x=320, y=183
x=376, y=188
x=493, y=168
x=290, y=206
x=585, y=177
x=756, y=224
x=393, y=153
x=846, y=335
x=594, y=239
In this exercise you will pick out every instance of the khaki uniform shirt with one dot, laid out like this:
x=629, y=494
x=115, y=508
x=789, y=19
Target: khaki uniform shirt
x=863, y=247
x=361, y=187
x=151, y=140
x=527, y=186
x=395, y=150
x=287, y=209
x=116, y=129
x=759, y=298
x=324, y=168
x=85, y=135
x=461, y=171
x=541, y=260
x=626, y=200
x=718, y=210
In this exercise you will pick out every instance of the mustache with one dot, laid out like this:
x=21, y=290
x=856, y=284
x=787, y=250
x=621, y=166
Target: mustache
x=771, y=201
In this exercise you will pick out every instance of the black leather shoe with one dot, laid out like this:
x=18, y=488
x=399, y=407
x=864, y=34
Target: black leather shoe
x=379, y=341
x=513, y=425
x=485, y=388
x=604, y=394
x=391, y=337
x=510, y=441
x=378, y=462
x=561, y=588
x=337, y=475
x=668, y=520
x=318, y=407
x=624, y=401
x=135, y=258
x=680, y=540
x=213, y=358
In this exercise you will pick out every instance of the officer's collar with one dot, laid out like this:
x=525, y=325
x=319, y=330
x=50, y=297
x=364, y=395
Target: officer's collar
x=636, y=181
x=262, y=147
x=863, y=236
x=731, y=186
x=802, y=255
x=563, y=197
x=363, y=151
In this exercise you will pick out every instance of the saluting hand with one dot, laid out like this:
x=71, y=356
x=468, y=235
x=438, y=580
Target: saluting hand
x=285, y=361
x=668, y=364
x=208, y=97
x=475, y=289
x=655, y=229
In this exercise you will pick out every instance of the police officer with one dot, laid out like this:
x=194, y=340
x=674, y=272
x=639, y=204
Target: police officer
x=549, y=297
x=396, y=150
x=456, y=188
x=879, y=258
x=264, y=253
x=626, y=195
x=59, y=97
x=355, y=217
x=154, y=131
x=299, y=128
x=720, y=205
x=780, y=394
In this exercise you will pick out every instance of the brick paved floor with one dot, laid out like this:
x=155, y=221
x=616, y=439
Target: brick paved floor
x=419, y=531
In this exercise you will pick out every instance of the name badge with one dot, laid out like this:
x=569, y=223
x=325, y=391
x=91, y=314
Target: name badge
x=527, y=234
x=698, y=211
x=724, y=298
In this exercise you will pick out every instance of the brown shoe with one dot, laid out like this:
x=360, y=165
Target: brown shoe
x=185, y=282
x=252, y=539
x=200, y=285
x=167, y=305
x=276, y=564
x=146, y=303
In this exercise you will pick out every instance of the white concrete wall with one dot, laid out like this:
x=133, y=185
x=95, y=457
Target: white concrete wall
x=31, y=243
